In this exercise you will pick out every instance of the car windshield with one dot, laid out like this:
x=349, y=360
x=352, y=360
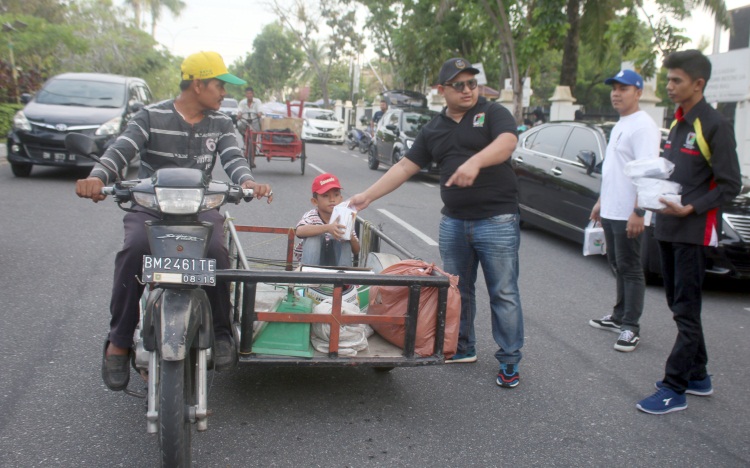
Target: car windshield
x=320, y=114
x=414, y=121
x=229, y=103
x=82, y=93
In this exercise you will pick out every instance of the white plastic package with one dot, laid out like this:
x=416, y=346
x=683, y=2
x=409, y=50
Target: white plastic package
x=593, y=240
x=654, y=168
x=651, y=190
x=352, y=337
x=342, y=214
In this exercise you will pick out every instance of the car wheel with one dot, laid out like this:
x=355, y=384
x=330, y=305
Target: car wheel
x=372, y=158
x=21, y=170
x=397, y=156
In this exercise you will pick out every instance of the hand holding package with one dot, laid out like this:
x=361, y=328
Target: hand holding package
x=651, y=190
x=342, y=214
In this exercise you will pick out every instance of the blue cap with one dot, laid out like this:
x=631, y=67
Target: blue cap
x=626, y=77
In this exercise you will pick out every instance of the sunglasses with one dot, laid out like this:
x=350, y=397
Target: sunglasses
x=460, y=85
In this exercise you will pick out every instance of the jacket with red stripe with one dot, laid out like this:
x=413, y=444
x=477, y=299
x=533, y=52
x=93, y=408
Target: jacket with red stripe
x=701, y=144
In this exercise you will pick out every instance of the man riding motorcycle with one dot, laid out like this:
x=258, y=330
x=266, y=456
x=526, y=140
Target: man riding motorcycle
x=185, y=132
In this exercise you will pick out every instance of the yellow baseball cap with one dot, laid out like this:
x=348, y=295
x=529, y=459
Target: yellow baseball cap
x=205, y=65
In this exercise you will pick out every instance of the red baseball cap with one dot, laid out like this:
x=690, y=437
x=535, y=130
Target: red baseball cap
x=324, y=183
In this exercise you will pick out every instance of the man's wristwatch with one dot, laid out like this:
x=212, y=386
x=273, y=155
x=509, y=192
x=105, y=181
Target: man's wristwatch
x=639, y=212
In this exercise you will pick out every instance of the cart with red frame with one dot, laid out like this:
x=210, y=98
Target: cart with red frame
x=281, y=142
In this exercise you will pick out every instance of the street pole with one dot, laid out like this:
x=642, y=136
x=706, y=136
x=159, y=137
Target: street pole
x=13, y=72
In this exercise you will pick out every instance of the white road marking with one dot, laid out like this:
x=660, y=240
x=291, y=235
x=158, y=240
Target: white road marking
x=316, y=168
x=409, y=227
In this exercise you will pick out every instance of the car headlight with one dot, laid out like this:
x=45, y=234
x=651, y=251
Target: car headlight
x=111, y=127
x=20, y=122
x=179, y=201
x=305, y=123
x=409, y=143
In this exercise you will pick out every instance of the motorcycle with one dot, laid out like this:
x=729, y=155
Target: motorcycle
x=175, y=334
x=359, y=138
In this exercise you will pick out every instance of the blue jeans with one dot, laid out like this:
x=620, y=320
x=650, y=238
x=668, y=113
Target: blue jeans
x=319, y=250
x=493, y=243
x=624, y=256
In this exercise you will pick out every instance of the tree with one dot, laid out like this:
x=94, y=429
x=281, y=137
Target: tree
x=155, y=7
x=341, y=39
x=591, y=18
x=274, y=60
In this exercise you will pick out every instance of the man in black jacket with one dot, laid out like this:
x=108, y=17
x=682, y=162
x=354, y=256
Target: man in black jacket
x=702, y=146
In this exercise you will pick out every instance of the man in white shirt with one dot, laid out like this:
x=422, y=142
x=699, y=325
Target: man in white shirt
x=635, y=136
x=249, y=111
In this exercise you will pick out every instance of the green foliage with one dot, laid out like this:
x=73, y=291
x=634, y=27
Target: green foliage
x=273, y=62
x=7, y=111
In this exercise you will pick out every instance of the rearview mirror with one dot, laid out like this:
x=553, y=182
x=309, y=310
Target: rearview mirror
x=588, y=159
x=392, y=128
x=25, y=98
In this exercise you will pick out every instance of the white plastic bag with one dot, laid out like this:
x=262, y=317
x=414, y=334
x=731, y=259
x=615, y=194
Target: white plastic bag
x=651, y=190
x=593, y=240
x=352, y=337
x=342, y=214
x=655, y=168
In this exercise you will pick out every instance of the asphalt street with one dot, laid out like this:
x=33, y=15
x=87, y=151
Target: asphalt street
x=575, y=405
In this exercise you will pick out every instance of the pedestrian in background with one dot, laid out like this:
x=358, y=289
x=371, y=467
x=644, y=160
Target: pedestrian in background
x=635, y=136
x=702, y=146
x=472, y=141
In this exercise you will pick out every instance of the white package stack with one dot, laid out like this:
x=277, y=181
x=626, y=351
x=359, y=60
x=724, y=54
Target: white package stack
x=342, y=214
x=655, y=168
x=651, y=190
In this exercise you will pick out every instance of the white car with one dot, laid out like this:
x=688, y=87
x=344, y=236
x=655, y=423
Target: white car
x=322, y=125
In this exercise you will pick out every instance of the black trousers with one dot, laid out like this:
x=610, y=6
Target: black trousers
x=126, y=290
x=683, y=268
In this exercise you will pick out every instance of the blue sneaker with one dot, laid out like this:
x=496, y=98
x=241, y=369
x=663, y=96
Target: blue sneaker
x=701, y=387
x=664, y=401
x=463, y=358
x=508, y=377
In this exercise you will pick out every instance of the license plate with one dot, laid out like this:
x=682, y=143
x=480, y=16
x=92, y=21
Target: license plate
x=60, y=156
x=326, y=135
x=195, y=271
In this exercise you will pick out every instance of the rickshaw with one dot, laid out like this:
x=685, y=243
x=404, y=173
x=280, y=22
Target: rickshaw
x=280, y=139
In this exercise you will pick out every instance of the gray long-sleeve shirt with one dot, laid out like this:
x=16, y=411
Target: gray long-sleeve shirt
x=162, y=138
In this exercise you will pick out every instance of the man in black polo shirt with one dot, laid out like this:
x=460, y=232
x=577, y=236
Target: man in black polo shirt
x=472, y=141
x=701, y=144
x=184, y=132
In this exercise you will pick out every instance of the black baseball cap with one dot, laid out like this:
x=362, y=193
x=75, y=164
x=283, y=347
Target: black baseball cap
x=453, y=67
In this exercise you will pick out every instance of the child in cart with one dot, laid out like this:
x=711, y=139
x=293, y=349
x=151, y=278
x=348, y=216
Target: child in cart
x=324, y=241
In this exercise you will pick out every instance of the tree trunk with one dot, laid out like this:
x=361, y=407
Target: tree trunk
x=569, y=70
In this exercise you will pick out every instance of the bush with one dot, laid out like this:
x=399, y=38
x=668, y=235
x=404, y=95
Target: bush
x=7, y=111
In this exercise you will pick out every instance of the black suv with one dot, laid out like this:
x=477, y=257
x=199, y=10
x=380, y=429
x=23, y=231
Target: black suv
x=94, y=104
x=398, y=128
x=559, y=176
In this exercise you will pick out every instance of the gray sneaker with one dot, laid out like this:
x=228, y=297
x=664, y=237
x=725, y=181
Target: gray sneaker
x=627, y=342
x=605, y=323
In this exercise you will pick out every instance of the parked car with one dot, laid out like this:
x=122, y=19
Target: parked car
x=395, y=134
x=94, y=104
x=230, y=106
x=322, y=125
x=558, y=166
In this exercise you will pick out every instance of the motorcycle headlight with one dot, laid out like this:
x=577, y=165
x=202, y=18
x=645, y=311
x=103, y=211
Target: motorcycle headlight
x=111, y=127
x=212, y=200
x=179, y=201
x=20, y=122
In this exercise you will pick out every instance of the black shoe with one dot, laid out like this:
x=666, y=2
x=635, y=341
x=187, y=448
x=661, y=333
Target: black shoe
x=605, y=323
x=115, y=370
x=225, y=353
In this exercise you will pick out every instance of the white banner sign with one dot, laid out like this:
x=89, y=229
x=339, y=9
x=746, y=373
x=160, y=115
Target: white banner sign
x=730, y=76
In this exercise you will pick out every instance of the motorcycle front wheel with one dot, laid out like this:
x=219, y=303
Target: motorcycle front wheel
x=176, y=395
x=352, y=144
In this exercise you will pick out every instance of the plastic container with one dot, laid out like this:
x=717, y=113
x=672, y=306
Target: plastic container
x=287, y=339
